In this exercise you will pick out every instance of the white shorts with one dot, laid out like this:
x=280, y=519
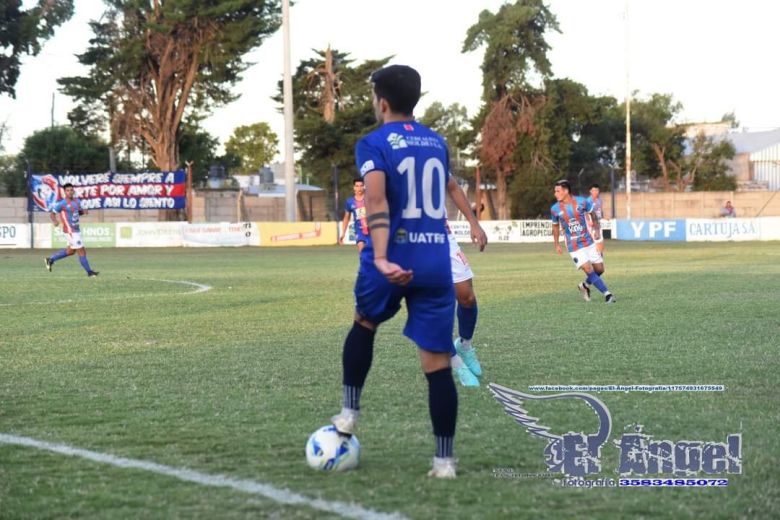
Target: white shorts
x=74, y=240
x=585, y=255
x=461, y=270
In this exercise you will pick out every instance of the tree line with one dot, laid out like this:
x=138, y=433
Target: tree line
x=156, y=69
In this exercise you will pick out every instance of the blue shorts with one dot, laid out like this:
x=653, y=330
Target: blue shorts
x=431, y=310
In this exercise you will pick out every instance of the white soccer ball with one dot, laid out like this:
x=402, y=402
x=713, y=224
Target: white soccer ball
x=328, y=450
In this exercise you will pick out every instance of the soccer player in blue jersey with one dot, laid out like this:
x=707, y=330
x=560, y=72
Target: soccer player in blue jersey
x=355, y=207
x=68, y=211
x=570, y=213
x=405, y=168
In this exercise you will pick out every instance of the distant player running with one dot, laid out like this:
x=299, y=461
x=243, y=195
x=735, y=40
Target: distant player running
x=596, y=216
x=570, y=213
x=355, y=208
x=69, y=210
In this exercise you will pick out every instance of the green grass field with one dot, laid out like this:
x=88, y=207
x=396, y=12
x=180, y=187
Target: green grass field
x=231, y=381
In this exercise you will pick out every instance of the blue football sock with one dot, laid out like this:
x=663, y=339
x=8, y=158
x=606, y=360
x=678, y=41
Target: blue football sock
x=595, y=279
x=356, y=361
x=467, y=321
x=62, y=253
x=85, y=263
x=443, y=407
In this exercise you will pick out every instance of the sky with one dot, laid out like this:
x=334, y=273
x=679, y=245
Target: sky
x=713, y=57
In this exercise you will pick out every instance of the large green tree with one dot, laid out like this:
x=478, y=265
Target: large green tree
x=23, y=31
x=328, y=146
x=657, y=140
x=706, y=166
x=254, y=145
x=575, y=137
x=199, y=147
x=452, y=123
x=515, y=56
x=151, y=61
x=11, y=178
x=59, y=149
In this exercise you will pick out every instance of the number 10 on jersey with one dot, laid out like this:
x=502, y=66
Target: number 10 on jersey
x=433, y=172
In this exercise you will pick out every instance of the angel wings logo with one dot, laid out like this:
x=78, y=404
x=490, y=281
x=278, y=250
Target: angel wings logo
x=575, y=453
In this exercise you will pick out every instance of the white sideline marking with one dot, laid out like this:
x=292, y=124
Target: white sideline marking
x=199, y=288
x=283, y=496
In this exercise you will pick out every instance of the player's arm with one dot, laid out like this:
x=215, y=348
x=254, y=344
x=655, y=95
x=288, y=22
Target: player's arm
x=478, y=235
x=344, y=224
x=378, y=217
x=54, y=215
x=593, y=216
x=595, y=224
x=556, y=231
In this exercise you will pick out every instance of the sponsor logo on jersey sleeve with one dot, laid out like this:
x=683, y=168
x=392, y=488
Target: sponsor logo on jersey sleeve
x=367, y=167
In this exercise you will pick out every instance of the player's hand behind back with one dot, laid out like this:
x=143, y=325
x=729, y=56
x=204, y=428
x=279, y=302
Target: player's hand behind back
x=393, y=272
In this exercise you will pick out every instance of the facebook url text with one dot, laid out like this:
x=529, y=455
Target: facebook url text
x=627, y=388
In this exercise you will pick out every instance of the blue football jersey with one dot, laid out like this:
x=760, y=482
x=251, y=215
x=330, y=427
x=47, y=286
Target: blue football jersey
x=415, y=162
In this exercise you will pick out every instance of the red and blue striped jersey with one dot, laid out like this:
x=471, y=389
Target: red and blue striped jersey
x=572, y=219
x=598, y=207
x=68, y=211
x=358, y=210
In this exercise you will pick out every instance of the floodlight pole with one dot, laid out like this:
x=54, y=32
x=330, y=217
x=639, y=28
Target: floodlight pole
x=30, y=209
x=289, y=158
x=188, y=192
x=628, y=120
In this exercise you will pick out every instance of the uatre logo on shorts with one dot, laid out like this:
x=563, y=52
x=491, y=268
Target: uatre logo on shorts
x=577, y=454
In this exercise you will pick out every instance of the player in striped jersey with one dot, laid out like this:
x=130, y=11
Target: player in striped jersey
x=355, y=208
x=570, y=214
x=596, y=216
x=69, y=210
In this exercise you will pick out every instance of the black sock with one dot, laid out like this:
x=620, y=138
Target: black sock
x=356, y=362
x=443, y=406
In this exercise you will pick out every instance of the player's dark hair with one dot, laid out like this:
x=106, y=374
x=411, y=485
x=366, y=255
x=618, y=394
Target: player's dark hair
x=563, y=183
x=594, y=185
x=67, y=185
x=400, y=86
x=356, y=180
